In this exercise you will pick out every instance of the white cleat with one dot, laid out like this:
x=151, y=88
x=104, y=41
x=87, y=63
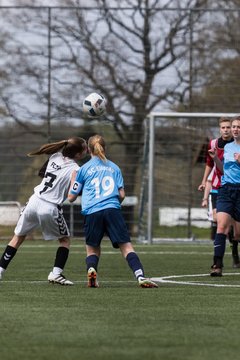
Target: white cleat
x=92, y=278
x=147, y=283
x=59, y=279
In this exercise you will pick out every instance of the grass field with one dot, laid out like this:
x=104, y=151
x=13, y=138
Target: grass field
x=195, y=318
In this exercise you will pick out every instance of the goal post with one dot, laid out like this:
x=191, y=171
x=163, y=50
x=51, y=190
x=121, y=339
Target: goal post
x=183, y=133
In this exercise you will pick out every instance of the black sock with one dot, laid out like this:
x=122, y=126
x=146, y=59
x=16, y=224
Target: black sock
x=7, y=256
x=135, y=264
x=92, y=261
x=231, y=235
x=61, y=257
x=213, y=230
x=235, y=249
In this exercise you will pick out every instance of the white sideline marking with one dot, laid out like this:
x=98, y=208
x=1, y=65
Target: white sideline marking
x=74, y=282
x=163, y=280
x=167, y=280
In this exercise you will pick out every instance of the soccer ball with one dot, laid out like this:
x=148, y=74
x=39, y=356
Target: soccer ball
x=94, y=105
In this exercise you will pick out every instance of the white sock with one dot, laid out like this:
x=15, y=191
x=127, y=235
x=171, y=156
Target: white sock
x=57, y=270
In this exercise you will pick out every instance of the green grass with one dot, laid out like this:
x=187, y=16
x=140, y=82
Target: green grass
x=119, y=320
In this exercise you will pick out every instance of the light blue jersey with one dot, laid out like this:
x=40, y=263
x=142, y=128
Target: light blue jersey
x=231, y=168
x=99, y=182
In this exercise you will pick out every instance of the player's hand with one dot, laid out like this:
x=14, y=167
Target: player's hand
x=213, y=153
x=201, y=187
x=204, y=203
x=237, y=157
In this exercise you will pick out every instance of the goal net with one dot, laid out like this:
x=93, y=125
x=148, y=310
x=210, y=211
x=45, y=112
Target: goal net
x=173, y=165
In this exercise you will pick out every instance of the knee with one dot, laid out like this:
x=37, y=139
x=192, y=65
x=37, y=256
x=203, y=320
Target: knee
x=65, y=241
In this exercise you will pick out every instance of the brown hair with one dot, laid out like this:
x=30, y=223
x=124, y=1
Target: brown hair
x=96, y=145
x=236, y=117
x=69, y=147
x=224, y=119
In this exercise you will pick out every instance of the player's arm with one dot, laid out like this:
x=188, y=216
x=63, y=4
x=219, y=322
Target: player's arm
x=121, y=195
x=75, y=188
x=42, y=171
x=218, y=162
x=207, y=172
x=206, y=193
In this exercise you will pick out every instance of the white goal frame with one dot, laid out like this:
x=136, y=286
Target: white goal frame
x=151, y=120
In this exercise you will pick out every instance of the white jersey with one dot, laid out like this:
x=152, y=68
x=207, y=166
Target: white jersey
x=55, y=184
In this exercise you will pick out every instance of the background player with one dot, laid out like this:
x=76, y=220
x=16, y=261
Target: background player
x=101, y=183
x=215, y=173
x=228, y=200
x=44, y=206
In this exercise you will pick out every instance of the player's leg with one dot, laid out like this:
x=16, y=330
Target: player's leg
x=27, y=222
x=135, y=265
x=235, y=239
x=214, y=215
x=94, y=231
x=92, y=259
x=223, y=221
x=54, y=227
x=118, y=233
x=56, y=275
x=10, y=252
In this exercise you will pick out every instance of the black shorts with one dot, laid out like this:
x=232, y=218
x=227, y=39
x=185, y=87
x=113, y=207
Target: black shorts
x=214, y=200
x=228, y=200
x=108, y=222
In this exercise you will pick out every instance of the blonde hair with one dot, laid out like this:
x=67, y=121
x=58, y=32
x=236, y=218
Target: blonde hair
x=69, y=147
x=96, y=145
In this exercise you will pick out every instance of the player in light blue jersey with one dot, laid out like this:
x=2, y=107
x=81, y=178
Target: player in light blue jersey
x=101, y=184
x=228, y=200
x=44, y=206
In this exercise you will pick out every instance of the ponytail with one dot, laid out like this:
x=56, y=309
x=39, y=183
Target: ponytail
x=96, y=145
x=49, y=148
x=69, y=147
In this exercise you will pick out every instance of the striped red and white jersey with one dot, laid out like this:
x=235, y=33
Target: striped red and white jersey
x=216, y=174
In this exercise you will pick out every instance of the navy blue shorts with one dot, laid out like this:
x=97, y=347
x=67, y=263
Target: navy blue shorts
x=228, y=200
x=108, y=222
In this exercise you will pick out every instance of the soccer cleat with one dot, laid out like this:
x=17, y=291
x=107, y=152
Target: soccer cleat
x=92, y=278
x=236, y=261
x=216, y=271
x=236, y=265
x=147, y=283
x=59, y=279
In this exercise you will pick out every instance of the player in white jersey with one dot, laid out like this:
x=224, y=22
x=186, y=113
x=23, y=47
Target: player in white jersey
x=101, y=184
x=44, y=207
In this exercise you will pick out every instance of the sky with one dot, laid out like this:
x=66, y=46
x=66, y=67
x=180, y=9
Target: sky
x=52, y=3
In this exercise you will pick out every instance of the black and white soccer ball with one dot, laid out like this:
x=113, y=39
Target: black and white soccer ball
x=94, y=105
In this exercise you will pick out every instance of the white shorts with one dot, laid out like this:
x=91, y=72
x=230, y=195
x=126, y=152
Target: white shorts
x=43, y=214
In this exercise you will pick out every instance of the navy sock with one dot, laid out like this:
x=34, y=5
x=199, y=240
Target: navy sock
x=61, y=257
x=219, y=249
x=7, y=256
x=135, y=264
x=92, y=261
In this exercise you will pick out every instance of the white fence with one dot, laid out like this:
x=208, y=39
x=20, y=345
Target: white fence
x=169, y=216
x=9, y=212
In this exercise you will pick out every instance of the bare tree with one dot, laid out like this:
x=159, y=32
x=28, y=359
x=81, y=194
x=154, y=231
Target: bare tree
x=135, y=53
